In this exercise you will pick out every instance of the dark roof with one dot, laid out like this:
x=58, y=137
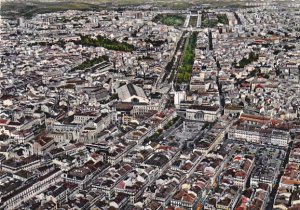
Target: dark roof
x=131, y=89
x=203, y=107
x=123, y=106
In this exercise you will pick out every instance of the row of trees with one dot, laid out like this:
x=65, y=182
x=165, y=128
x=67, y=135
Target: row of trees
x=90, y=63
x=172, y=62
x=60, y=42
x=156, y=136
x=185, y=69
x=101, y=41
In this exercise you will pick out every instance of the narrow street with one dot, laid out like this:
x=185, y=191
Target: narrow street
x=176, y=60
x=275, y=188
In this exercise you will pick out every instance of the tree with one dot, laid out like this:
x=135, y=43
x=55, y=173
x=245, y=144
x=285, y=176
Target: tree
x=106, y=43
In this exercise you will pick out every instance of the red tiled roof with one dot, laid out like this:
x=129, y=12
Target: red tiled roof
x=3, y=121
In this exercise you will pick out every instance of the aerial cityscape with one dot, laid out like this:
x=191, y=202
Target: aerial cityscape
x=150, y=105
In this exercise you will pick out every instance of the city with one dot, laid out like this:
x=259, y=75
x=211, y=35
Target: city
x=148, y=108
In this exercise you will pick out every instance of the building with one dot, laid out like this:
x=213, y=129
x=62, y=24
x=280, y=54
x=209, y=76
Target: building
x=132, y=93
x=202, y=113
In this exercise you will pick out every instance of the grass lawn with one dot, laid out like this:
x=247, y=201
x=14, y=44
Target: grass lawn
x=210, y=23
x=193, y=21
x=169, y=19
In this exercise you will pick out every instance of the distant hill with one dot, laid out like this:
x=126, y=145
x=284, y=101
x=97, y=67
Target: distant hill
x=28, y=8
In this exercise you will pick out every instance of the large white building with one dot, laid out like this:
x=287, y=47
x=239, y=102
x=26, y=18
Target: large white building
x=203, y=113
x=179, y=96
x=132, y=93
x=255, y=134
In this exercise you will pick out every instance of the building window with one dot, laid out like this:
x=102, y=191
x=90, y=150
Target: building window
x=199, y=115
